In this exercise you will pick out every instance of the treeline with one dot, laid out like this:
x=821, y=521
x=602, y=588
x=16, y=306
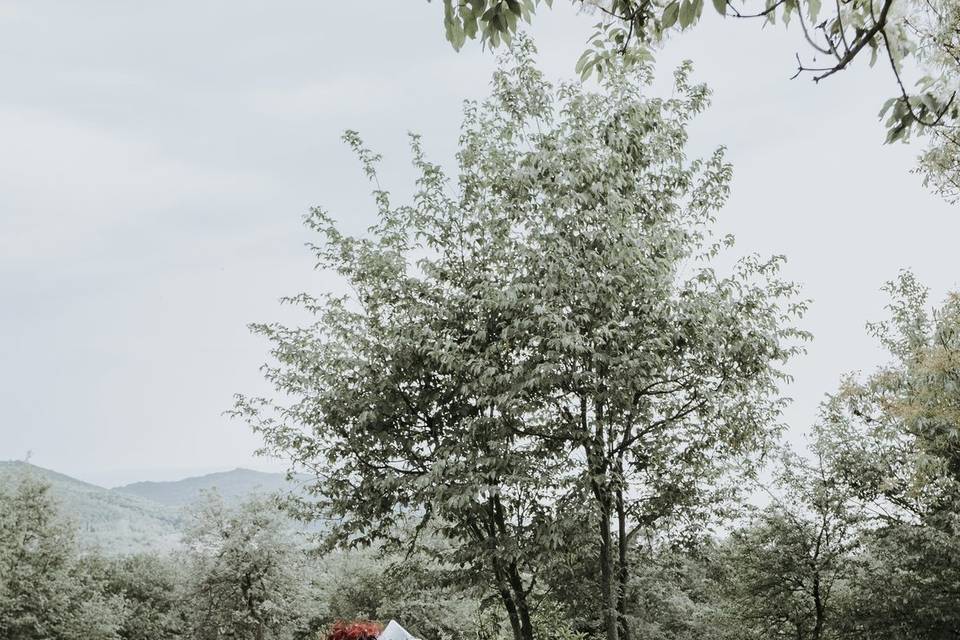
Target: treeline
x=839, y=550
x=243, y=572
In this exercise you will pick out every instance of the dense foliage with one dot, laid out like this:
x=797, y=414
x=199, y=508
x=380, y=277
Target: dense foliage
x=548, y=348
x=44, y=593
x=245, y=573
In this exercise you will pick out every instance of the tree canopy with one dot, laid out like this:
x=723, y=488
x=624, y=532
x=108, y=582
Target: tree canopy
x=244, y=571
x=892, y=439
x=548, y=347
x=44, y=593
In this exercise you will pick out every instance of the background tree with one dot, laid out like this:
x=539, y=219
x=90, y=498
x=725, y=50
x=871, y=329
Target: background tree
x=676, y=593
x=427, y=597
x=44, y=592
x=151, y=587
x=34, y=552
x=789, y=569
x=893, y=438
x=918, y=41
x=244, y=571
x=907, y=585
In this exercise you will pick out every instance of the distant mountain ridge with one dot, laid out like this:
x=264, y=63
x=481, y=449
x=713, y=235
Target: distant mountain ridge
x=232, y=485
x=142, y=516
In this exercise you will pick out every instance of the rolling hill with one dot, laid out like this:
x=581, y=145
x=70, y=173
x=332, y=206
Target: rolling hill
x=231, y=485
x=143, y=516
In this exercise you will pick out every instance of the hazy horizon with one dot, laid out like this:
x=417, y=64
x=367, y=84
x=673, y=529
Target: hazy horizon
x=132, y=476
x=154, y=181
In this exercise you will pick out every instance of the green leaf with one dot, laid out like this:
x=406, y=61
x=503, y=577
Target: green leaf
x=896, y=133
x=788, y=8
x=688, y=12
x=930, y=102
x=886, y=106
x=720, y=6
x=670, y=14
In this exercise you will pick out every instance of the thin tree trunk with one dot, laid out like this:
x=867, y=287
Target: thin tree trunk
x=508, y=602
x=512, y=572
x=623, y=569
x=595, y=449
x=520, y=597
x=820, y=609
x=246, y=586
x=488, y=536
x=607, y=587
x=818, y=605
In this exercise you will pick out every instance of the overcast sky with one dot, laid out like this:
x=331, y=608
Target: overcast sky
x=156, y=160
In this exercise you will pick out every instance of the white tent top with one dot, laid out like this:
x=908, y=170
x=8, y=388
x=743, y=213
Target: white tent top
x=394, y=631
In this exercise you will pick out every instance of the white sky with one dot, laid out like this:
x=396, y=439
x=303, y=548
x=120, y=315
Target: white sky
x=156, y=160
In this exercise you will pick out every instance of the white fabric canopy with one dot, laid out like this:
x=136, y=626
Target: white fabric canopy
x=394, y=631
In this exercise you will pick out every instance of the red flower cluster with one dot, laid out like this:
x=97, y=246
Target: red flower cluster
x=357, y=630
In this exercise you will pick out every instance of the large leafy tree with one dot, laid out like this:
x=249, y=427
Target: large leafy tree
x=35, y=548
x=545, y=347
x=403, y=409
x=895, y=435
x=243, y=571
x=788, y=571
x=654, y=375
x=44, y=592
x=893, y=438
x=917, y=41
x=151, y=588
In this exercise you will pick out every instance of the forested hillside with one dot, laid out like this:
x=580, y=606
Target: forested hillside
x=112, y=521
x=234, y=485
x=144, y=516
